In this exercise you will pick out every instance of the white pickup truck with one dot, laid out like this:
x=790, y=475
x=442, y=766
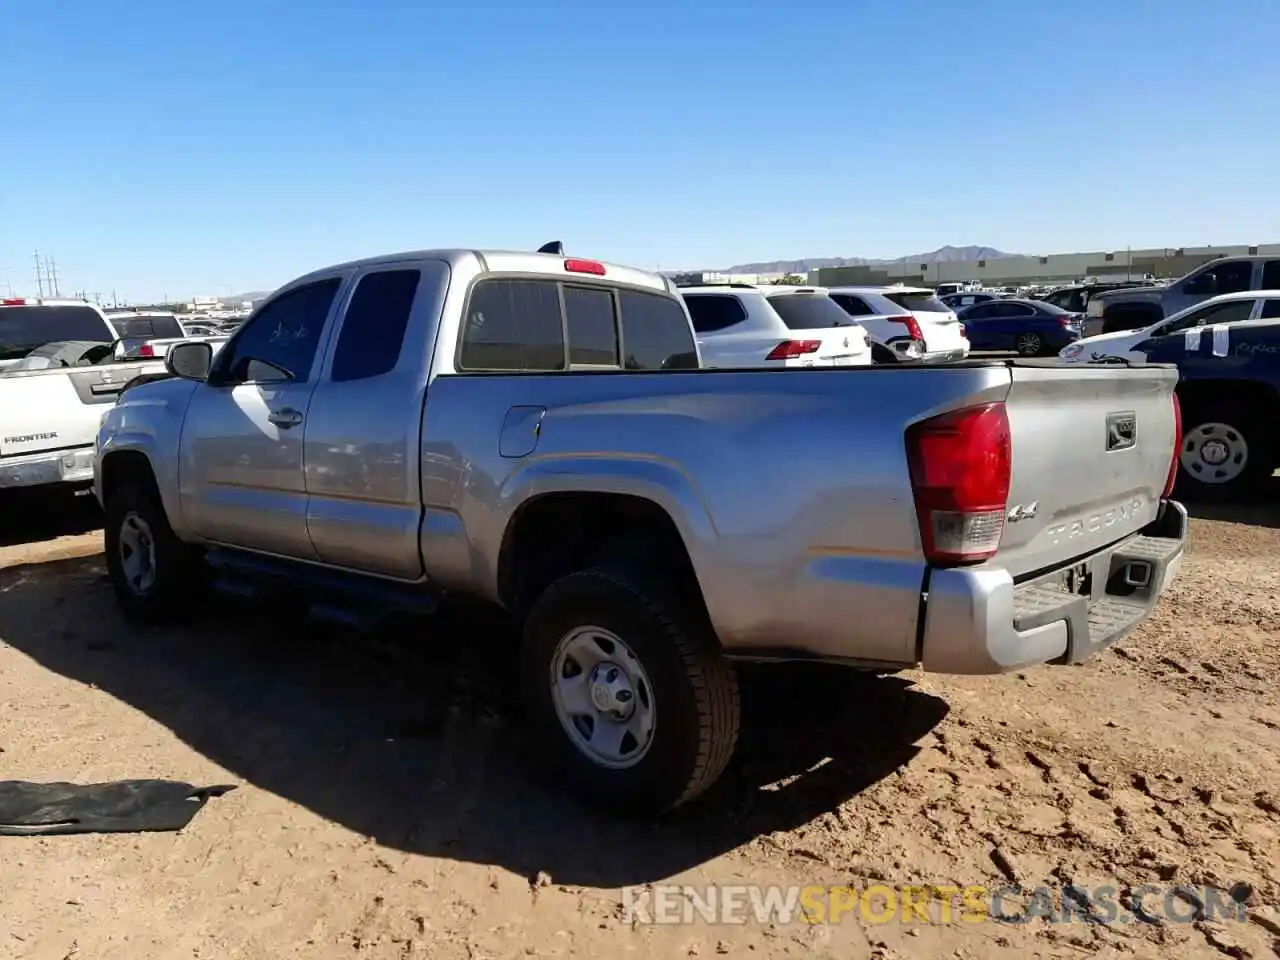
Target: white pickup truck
x=57, y=378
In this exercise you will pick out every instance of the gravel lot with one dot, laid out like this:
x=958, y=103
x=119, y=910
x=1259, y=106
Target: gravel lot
x=383, y=808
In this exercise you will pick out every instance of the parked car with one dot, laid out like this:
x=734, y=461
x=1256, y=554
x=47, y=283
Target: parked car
x=745, y=325
x=904, y=323
x=57, y=377
x=1229, y=392
x=1136, y=307
x=1032, y=328
x=1228, y=308
x=533, y=430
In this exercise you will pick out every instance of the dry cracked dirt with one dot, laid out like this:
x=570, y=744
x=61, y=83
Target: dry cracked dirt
x=384, y=807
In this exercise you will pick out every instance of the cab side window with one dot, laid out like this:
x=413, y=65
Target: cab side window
x=1218, y=313
x=278, y=344
x=1233, y=276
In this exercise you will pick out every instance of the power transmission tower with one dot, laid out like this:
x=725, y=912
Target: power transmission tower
x=51, y=266
x=39, y=276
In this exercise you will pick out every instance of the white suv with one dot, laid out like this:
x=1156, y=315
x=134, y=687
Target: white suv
x=749, y=325
x=905, y=323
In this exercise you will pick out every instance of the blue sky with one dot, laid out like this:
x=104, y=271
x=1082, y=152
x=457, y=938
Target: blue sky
x=175, y=148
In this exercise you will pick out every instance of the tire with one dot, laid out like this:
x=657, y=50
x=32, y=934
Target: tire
x=692, y=698
x=1227, y=451
x=1029, y=345
x=177, y=574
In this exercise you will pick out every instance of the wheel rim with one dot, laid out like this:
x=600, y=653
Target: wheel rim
x=1028, y=343
x=137, y=553
x=603, y=697
x=1214, y=453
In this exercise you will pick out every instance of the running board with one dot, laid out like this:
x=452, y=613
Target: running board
x=353, y=600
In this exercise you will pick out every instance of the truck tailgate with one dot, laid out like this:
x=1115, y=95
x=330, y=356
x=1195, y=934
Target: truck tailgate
x=1092, y=448
x=46, y=410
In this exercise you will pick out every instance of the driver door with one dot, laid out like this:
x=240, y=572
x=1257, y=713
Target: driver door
x=241, y=473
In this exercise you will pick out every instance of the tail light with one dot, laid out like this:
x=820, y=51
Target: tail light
x=913, y=327
x=146, y=350
x=960, y=464
x=790, y=349
x=1177, y=449
x=962, y=329
x=1069, y=319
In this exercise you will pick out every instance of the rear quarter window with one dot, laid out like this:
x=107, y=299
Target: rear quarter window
x=513, y=325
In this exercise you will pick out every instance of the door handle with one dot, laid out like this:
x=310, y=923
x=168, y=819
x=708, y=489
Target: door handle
x=286, y=418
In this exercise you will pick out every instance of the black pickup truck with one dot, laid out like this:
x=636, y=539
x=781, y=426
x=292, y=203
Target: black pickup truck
x=1229, y=392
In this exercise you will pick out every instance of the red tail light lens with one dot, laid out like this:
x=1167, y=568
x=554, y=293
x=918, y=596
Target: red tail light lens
x=960, y=465
x=962, y=329
x=791, y=349
x=1177, y=449
x=146, y=350
x=913, y=327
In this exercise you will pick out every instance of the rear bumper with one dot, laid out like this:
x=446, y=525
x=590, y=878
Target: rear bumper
x=944, y=356
x=980, y=622
x=42, y=469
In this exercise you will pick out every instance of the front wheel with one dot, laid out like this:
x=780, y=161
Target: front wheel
x=629, y=700
x=156, y=577
x=1225, y=452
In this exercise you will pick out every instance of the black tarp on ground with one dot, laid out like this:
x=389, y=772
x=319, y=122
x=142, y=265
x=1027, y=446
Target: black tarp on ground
x=126, y=806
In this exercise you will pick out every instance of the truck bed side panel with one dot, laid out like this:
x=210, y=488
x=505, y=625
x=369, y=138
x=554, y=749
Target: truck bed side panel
x=790, y=488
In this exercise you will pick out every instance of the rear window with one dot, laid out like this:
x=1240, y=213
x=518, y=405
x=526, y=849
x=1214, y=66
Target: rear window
x=802, y=311
x=1051, y=308
x=147, y=328
x=22, y=329
x=918, y=302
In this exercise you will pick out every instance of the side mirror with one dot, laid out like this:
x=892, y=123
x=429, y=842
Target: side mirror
x=190, y=361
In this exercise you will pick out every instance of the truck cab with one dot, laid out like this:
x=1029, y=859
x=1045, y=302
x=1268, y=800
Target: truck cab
x=1134, y=308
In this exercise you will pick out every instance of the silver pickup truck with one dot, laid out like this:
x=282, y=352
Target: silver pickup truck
x=534, y=430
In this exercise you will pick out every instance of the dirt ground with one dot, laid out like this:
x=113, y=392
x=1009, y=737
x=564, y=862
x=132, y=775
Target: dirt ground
x=384, y=808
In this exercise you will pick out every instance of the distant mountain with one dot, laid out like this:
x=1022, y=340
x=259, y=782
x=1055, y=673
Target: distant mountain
x=238, y=298
x=947, y=254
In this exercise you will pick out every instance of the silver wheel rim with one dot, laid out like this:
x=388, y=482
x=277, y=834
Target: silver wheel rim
x=603, y=697
x=137, y=553
x=1214, y=453
x=1028, y=343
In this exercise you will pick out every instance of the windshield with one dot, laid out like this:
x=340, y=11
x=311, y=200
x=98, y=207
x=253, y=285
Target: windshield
x=918, y=302
x=22, y=329
x=807, y=311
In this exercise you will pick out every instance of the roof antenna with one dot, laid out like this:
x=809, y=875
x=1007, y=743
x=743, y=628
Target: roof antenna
x=555, y=248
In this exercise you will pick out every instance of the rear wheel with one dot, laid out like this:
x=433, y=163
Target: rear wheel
x=1029, y=345
x=1226, y=451
x=629, y=700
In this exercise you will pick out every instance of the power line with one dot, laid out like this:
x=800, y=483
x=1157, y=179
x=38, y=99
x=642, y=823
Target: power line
x=39, y=276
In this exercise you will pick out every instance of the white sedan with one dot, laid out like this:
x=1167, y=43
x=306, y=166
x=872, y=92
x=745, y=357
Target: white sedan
x=1228, y=308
